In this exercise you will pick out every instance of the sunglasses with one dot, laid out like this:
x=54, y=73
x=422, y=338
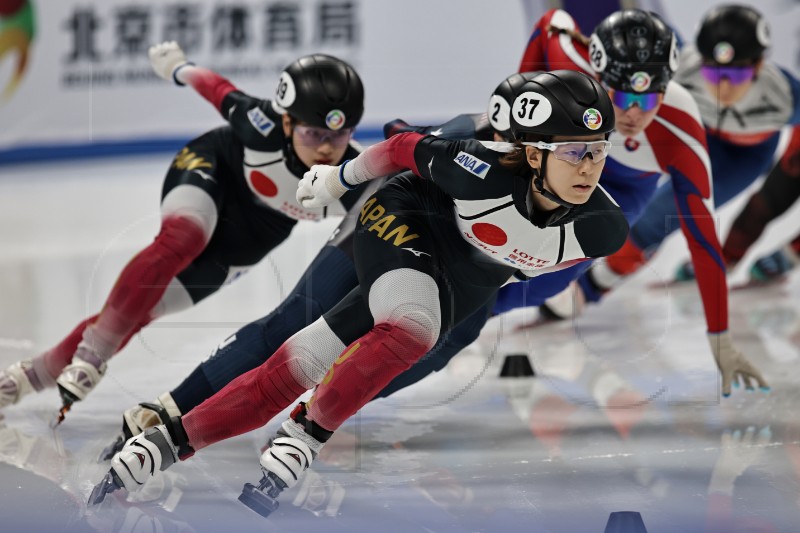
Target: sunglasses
x=735, y=75
x=314, y=137
x=574, y=152
x=645, y=101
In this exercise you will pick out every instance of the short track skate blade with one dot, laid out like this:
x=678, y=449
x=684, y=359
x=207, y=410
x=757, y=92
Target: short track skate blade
x=109, y=484
x=256, y=500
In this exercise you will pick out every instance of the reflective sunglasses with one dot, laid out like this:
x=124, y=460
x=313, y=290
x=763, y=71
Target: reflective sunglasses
x=314, y=137
x=735, y=75
x=573, y=152
x=645, y=101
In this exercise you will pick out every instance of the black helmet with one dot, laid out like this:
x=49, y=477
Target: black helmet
x=733, y=33
x=561, y=102
x=634, y=51
x=501, y=100
x=321, y=91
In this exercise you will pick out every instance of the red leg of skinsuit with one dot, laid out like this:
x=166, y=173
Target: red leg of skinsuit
x=254, y=398
x=138, y=289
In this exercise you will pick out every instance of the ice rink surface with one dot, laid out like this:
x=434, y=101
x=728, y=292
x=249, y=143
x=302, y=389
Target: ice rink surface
x=623, y=415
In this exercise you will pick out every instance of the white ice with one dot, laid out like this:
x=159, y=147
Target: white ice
x=463, y=450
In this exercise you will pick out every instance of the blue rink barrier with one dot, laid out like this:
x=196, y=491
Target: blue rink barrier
x=39, y=153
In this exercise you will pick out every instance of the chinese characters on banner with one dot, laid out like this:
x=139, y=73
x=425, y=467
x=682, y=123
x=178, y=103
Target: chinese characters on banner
x=108, y=41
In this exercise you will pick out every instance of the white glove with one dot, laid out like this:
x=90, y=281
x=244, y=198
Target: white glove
x=733, y=365
x=166, y=58
x=320, y=186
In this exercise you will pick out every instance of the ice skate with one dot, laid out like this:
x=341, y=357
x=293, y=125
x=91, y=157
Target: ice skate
x=136, y=419
x=15, y=383
x=772, y=267
x=282, y=463
x=685, y=272
x=81, y=376
x=139, y=460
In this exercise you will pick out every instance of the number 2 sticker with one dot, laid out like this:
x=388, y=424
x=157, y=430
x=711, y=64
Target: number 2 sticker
x=498, y=113
x=531, y=109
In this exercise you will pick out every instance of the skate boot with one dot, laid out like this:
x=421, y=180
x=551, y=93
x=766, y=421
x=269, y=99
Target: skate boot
x=81, y=376
x=284, y=462
x=17, y=381
x=137, y=419
x=685, y=272
x=567, y=304
x=139, y=460
x=772, y=267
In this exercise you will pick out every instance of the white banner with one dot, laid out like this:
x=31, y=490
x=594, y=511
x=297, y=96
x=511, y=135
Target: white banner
x=75, y=72
x=88, y=79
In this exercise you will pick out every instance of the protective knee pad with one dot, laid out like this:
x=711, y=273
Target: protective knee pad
x=295, y=313
x=313, y=351
x=188, y=201
x=408, y=300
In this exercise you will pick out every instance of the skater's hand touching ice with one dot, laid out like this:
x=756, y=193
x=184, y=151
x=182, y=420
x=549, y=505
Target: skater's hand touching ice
x=734, y=366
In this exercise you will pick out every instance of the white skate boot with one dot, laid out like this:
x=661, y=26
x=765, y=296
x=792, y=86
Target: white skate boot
x=81, y=376
x=284, y=462
x=137, y=419
x=15, y=383
x=139, y=460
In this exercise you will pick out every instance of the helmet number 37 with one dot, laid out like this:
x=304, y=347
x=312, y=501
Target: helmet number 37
x=531, y=109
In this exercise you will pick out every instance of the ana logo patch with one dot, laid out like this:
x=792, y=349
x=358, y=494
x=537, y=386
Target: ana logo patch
x=640, y=81
x=260, y=121
x=723, y=52
x=472, y=164
x=335, y=119
x=592, y=118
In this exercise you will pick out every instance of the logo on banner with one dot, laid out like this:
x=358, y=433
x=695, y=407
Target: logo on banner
x=17, y=30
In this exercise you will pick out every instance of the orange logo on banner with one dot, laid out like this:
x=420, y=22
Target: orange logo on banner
x=16, y=33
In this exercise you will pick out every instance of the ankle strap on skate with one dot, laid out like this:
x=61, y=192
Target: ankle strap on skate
x=309, y=426
x=179, y=437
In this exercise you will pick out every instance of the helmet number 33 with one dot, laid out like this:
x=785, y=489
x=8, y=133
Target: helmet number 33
x=531, y=109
